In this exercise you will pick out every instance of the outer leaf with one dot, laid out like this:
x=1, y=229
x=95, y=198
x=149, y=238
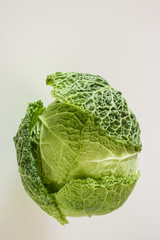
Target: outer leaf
x=87, y=197
x=92, y=94
x=27, y=156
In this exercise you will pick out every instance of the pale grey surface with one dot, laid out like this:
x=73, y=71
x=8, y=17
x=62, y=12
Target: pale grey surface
x=118, y=40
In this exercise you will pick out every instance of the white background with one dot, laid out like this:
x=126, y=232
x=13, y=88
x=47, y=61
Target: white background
x=117, y=39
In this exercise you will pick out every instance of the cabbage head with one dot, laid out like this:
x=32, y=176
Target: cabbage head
x=78, y=156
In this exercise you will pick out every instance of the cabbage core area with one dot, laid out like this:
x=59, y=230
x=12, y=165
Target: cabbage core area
x=74, y=147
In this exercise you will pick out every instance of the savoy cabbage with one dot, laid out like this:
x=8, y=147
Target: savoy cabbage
x=78, y=156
